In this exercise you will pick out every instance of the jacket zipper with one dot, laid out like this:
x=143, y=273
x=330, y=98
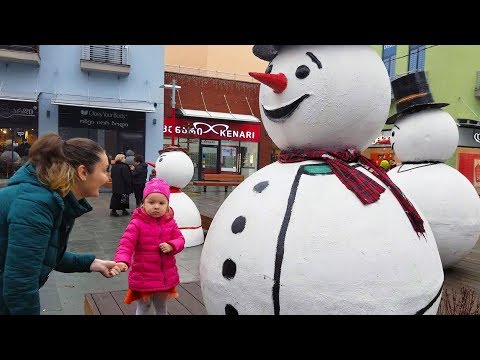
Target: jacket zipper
x=161, y=254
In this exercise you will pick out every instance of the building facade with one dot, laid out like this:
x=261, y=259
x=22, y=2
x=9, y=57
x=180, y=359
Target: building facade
x=217, y=118
x=453, y=73
x=217, y=121
x=108, y=93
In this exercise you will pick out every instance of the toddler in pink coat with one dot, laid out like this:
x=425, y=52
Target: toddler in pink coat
x=147, y=249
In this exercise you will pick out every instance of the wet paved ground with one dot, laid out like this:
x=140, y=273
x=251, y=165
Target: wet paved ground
x=98, y=233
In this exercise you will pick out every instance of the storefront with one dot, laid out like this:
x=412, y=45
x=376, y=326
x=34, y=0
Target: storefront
x=467, y=156
x=115, y=130
x=18, y=131
x=216, y=145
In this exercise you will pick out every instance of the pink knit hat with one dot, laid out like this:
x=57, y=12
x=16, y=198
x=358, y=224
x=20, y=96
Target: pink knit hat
x=157, y=185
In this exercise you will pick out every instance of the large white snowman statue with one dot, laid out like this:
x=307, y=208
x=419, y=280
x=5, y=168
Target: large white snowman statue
x=423, y=137
x=322, y=231
x=176, y=168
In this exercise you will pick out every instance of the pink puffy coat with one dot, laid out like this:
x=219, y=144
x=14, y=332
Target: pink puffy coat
x=149, y=268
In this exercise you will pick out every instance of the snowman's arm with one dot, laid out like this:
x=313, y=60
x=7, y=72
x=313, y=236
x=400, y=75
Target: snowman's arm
x=128, y=242
x=177, y=241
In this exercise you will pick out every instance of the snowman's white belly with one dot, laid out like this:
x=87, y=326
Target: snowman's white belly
x=339, y=256
x=449, y=202
x=188, y=218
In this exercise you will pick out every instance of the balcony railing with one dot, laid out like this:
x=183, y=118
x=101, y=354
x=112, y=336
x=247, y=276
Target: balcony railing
x=106, y=54
x=25, y=48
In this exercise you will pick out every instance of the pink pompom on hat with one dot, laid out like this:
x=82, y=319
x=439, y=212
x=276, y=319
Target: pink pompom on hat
x=157, y=185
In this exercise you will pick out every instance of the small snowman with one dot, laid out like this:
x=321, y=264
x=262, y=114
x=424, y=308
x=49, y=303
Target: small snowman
x=301, y=236
x=423, y=137
x=176, y=168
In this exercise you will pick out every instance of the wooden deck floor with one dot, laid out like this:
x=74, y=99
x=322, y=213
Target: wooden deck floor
x=190, y=302
x=461, y=287
x=465, y=274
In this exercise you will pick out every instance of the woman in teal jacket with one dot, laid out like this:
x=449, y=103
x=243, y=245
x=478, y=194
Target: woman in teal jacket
x=38, y=208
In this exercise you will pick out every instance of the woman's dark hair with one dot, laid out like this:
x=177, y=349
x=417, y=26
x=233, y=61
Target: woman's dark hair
x=56, y=160
x=138, y=158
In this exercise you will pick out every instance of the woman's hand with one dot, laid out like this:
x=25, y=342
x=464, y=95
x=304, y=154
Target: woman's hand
x=104, y=267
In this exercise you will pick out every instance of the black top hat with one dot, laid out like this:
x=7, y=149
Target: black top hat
x=266, y=52
x=412, y=94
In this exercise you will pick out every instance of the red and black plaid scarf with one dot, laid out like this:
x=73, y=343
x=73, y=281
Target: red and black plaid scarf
x=366, y=189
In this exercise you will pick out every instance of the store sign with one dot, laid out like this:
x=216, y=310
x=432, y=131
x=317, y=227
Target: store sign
x=210, y=129
x=476, y=137
x=94, y=118
x=9, y=109
x=469, y=137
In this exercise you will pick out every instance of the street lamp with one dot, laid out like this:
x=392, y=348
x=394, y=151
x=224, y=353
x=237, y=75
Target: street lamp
x=174, y=88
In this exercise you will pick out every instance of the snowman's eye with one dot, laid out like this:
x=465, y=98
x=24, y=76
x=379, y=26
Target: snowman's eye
x=269, y=69
x=393, y=133
x=302, y=72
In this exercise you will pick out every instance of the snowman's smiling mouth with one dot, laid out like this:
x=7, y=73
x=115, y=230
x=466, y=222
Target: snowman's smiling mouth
x=280, y=115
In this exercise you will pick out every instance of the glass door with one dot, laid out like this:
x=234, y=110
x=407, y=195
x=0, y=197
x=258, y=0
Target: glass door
x=209, y=159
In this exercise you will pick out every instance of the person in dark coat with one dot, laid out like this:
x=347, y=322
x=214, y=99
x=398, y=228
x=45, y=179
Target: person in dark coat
x=38, y=208
x=122, y=186
x=139, y=176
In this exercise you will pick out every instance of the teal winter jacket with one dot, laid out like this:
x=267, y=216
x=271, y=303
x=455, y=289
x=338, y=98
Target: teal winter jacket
x=35, y=223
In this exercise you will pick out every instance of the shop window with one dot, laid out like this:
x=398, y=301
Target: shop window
x=113, y=141
x=15, y=144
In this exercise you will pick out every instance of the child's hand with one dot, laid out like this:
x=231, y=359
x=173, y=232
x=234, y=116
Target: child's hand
x=118, y=268
x=165, y=248
x=122, y=266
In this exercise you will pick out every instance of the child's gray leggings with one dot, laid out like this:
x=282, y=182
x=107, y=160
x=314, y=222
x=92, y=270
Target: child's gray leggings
x=159, y=305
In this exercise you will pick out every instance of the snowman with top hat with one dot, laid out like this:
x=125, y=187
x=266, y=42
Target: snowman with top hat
x=423, y=137
x=176, y=168
x=301, y=235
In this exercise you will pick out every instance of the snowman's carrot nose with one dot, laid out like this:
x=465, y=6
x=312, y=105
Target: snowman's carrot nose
x=278, y=82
